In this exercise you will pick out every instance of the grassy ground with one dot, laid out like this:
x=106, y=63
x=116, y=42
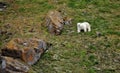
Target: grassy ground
x=71, y=52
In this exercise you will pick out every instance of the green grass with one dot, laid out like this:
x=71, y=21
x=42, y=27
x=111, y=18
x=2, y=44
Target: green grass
x=71, y=52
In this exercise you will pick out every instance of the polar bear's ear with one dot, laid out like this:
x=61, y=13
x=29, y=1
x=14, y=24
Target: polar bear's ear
x=78, y=24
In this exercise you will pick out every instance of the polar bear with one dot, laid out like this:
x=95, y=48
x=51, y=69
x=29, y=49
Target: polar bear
x=85, y=26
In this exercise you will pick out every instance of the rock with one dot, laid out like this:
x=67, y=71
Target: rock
x=67, y=20
x=28, y=50
x=98, y=34
x=10, y=65
x=54, y=22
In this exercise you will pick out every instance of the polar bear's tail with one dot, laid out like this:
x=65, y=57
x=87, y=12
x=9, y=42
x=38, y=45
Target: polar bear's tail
x=78, y=27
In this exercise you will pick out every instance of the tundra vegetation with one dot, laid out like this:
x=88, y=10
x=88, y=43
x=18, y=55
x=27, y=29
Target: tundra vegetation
x=97, y=51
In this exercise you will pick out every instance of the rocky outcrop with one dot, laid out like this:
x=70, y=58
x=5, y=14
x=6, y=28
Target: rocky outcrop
x=54, y=22
x=10, y=65
x=18, y=54
x=28, y=50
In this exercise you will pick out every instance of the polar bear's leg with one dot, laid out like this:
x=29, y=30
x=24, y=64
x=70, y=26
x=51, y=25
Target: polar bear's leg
x=85, y=29
x=78, y=28
x=89, y=29
x=87, y=26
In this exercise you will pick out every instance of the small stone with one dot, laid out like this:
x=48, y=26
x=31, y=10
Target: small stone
x=98, y=34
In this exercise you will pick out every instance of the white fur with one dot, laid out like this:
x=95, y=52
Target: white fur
x=83, y=26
